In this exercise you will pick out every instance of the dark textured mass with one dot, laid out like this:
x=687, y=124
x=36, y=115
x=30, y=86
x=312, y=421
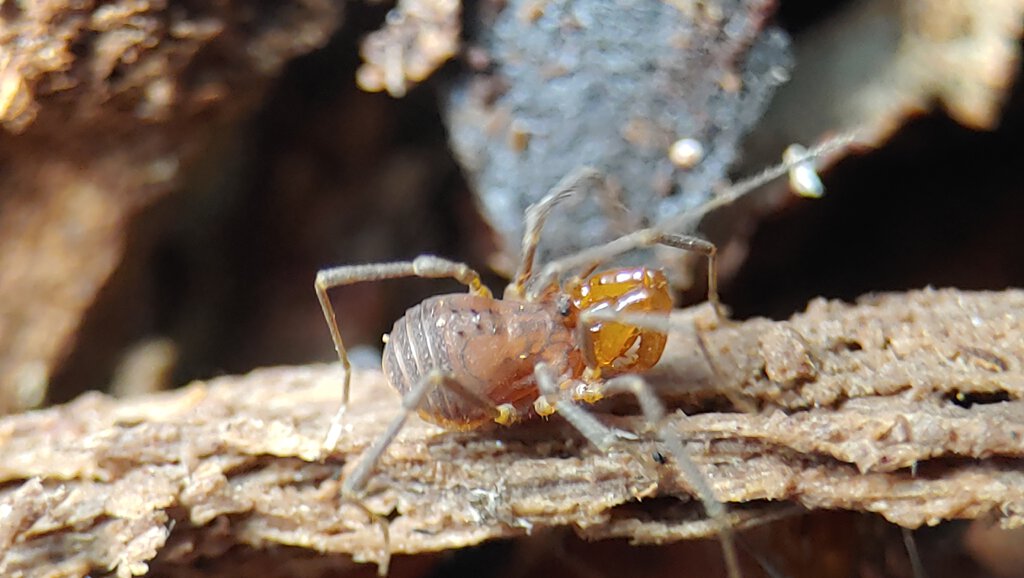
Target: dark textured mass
x=590, y=82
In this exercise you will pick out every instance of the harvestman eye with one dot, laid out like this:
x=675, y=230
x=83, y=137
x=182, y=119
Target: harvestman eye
x=540, y=364
x=564, y=305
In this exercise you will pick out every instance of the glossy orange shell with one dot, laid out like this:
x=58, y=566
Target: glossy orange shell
x=612, y=347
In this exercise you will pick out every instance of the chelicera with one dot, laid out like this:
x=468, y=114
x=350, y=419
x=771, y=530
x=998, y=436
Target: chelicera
x=548, y=346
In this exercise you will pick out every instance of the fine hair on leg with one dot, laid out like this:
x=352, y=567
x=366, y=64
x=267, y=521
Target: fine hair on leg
x=424, y=266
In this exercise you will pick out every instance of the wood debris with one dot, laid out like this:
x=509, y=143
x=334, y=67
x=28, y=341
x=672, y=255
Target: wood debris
x=906, y=405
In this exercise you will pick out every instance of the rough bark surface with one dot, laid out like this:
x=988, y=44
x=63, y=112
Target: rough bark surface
x=106, y=108
x=907, y=405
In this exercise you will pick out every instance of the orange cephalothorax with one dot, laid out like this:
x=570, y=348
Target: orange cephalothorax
x=613, y=347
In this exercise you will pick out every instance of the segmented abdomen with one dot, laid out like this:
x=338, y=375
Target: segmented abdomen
x=488, y=346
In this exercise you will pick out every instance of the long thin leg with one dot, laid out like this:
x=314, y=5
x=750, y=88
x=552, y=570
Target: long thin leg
x=646, y=238
x=710, y=251
x=762, y=561
x=355, y=482
x=551, y=400
x=602, y=438
x=551, y=272
x=733, y=394
x=916, y=567
x=536, y=216
x=425, y=266
x=797, y=163
x=654, y=413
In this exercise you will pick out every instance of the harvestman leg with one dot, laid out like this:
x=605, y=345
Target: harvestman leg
x=797, y=163
x=593, y=430
x=525, y=286
x=425, y=266
x=910, y=544
x=536, y=216
x=589, y=259
x=654, y=413
x=355, y=482
x=434, y=267
x=710, y=251
x=651, y=406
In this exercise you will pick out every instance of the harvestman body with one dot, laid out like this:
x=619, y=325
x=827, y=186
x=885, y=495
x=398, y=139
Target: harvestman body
x=464, y=360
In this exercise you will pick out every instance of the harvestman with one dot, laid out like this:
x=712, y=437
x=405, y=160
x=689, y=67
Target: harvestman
x=464, y=360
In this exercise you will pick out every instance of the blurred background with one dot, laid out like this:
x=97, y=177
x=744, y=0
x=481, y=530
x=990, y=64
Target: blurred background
x=174, y=173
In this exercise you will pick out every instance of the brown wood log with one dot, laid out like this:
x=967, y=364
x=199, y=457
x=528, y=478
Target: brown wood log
x=906, y=405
